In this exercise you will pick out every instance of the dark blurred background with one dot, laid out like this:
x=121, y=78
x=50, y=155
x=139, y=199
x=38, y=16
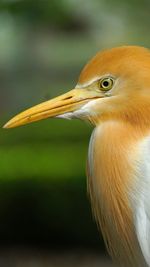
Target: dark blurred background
x=45, y=215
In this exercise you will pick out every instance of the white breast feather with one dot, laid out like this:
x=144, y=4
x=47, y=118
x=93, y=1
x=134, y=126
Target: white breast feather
x=142, y=207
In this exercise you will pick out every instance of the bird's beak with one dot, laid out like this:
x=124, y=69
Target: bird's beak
x=68, y=102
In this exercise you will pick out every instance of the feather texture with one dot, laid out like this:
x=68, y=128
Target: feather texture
x=112, y=188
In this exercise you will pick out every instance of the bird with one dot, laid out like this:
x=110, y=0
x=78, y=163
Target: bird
x=113, y=94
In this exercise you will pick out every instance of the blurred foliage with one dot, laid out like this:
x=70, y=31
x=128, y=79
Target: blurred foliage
x=37, y=150
x=65, y=14
x=53, y=13
x=43, y=186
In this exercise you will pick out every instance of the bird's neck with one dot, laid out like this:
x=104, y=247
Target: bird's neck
x=113, y=154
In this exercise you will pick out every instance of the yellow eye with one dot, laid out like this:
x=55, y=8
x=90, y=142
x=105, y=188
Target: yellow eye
x=106, y=84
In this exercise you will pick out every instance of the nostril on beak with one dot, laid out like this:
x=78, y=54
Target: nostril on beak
x=69, y=97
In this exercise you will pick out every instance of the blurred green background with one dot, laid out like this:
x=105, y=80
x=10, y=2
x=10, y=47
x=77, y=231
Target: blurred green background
x=43, y=202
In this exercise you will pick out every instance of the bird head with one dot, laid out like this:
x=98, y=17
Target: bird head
x=115, y=84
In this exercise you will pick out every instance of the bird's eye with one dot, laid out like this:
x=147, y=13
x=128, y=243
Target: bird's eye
x=106, y=84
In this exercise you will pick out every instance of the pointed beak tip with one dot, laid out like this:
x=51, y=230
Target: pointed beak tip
x=6, y=126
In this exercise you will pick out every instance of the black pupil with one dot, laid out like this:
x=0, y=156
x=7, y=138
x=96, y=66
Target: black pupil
x=105, y=83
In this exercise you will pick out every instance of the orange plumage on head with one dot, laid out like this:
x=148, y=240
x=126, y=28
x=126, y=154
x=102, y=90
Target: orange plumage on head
x=113, y=92
x=131, y=65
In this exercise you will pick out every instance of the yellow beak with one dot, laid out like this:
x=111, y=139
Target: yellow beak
x=68, y=102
